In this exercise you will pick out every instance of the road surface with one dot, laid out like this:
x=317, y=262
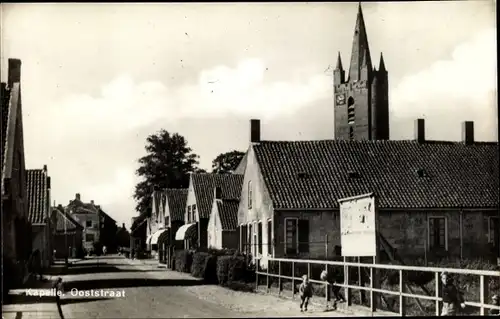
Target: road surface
x=145, y=291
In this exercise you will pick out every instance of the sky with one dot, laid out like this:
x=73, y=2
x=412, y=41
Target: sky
x=97, y=79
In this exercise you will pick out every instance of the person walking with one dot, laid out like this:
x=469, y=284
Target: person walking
x=306, y=292
x=331, y=280
x=452, y=298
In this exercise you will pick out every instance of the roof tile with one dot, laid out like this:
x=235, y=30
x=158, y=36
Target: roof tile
x=404, y=174
x=176, y=199
x=37, y=194
x=228, y=213
x=205, y=183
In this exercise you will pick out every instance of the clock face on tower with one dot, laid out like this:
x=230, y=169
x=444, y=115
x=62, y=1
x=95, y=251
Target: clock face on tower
x=340, y=99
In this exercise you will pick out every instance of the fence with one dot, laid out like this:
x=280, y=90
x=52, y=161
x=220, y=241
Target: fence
x=319, y=249
x=292, y=270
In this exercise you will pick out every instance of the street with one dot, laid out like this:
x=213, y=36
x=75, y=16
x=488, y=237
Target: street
x=143, y=290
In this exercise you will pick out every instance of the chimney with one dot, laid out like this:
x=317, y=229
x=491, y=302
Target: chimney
x=468, y=132
x=218, y=193
x=44, y=168
x=14, y=72
x=254, y=131
x=92, y=201
x=420, y=130
x=123, y=225
x=77, y=196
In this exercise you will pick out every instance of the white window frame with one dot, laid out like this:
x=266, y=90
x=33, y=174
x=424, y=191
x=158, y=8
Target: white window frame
x=255, y=238
x=296, y=233
x=445, y=230
x=491, y=239
x=270, y=235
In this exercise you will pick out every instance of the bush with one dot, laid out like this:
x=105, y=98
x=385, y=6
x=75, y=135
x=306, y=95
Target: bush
x=204, y=266
x=231, y=269
x=183, y=260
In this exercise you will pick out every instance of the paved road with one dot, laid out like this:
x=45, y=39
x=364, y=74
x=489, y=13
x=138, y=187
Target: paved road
x=142, y=290
x=148, y=292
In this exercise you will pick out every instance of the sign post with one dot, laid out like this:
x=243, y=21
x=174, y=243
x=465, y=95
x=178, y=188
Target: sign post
x=359, y=236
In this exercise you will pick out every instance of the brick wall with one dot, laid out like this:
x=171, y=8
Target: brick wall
x=321, y=223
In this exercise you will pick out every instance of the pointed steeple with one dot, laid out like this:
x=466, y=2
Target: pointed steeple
x=381, y=66
x=360, y=54
x=339, y=63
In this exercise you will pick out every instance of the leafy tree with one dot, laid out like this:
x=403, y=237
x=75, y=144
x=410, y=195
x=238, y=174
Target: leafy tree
x=168, y=162
x=227, y=162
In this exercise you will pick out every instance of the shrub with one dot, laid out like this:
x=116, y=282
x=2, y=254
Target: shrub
x=183, y=260
x=204, y=266
x=231, y=269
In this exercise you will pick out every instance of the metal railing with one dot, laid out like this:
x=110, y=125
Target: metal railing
x=374, y=289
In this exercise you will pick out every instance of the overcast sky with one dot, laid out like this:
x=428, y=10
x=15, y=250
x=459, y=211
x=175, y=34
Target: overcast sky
x=97, y=79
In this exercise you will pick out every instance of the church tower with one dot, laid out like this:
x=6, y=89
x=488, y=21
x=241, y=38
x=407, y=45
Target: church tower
x=362, y=100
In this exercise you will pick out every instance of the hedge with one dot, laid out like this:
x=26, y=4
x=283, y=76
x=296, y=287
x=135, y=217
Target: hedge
x=204, y=266
x=183, y=260
x=231, y=269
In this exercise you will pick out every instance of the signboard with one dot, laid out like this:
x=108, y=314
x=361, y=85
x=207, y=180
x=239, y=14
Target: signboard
x=358, y=231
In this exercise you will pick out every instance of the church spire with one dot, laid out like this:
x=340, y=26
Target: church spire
x=339, y=63
x=360, y=54
x=381, y=66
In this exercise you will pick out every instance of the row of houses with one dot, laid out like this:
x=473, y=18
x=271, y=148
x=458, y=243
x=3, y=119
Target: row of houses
x=34, y=232
x=435, y=199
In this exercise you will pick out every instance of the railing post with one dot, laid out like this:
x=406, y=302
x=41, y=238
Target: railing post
x=373, y=303
x=402, y=289
x=483, y=293
x=280, y=282
x=293, y=280
x=437, y=286
x=257, y=274
x=267, y=278
x=327, y=290
x=346, y=282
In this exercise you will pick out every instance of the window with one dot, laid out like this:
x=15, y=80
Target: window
x=244, y=238
x=269, y=237
x=189, y=215
x=250, y=194
x=350, y=110
x=167, y=221
x=89, y=237
x=88, y=223
x=291, y=236
x=438, y=233
x=194, y=213
x=493, y=228
x=259, y=235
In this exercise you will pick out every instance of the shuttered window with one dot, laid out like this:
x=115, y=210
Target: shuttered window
x=291, y=245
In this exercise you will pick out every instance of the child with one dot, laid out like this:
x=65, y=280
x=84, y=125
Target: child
x=495, y=301
x=306, y=292
x=452, y=299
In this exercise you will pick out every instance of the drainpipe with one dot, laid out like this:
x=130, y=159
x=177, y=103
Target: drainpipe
x=461, y=234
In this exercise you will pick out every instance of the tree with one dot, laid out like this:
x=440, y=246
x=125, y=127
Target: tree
x=168, y=162
x=227, y=162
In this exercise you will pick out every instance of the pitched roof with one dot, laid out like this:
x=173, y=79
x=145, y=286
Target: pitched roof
x=204, y=184
x=403, y=174
x=37, y=194
x=228, y=213
x=65, y=221
x=176, y=199
x=138, y=221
